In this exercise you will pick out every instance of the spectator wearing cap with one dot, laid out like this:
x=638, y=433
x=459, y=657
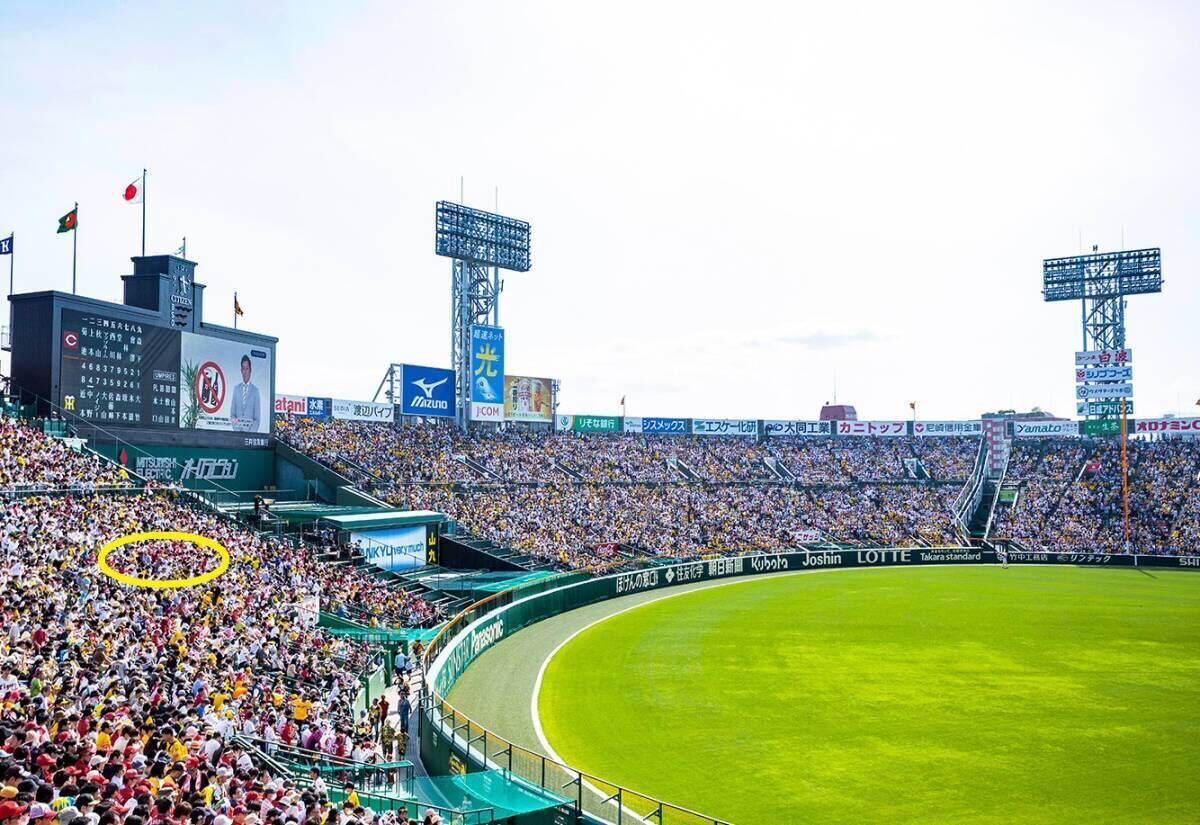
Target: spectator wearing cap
x=13, y=813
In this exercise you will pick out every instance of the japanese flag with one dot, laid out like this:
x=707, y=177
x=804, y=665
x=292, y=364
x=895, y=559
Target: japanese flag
x=133, y=192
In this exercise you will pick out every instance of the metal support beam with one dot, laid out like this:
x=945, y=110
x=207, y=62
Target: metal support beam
x=474, y=299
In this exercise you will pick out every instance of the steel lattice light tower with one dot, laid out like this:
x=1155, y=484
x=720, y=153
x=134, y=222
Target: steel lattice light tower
x=480, y=244
x=1101, y=281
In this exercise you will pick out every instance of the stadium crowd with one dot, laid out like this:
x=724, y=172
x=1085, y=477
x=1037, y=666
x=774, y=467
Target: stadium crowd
x=121, y=704
x=1069, y=496
x=30, y=460
x=560, y=496
x=440, y=454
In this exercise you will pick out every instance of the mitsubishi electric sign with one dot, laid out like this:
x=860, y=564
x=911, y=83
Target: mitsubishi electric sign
x=427, y=391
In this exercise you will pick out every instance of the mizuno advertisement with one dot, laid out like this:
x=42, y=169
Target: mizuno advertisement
x=427, y=391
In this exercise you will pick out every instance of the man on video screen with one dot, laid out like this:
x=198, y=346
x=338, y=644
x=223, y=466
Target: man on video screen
x=244, y=416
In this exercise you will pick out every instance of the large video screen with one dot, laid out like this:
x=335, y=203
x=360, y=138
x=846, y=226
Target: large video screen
x=226, y=385
x=119, y=372
x=131, y=374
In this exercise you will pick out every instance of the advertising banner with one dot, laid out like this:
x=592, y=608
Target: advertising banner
x=590, y=423
x=724, y=426
x=319, y=407
x=657, y=426
x=527, y=399
x=778, y=428
x=427, y=391
x=362, y=411
x=1104, y=407
x=1103, y=374
x=1107, y=426
x=487, y=373
x=1028, y=429
x=1103, y=390
x=1104, y=357
x=1166, y=425
x=199, y=468
x=291, y=404
x=397, y=548
x=225, y=385
x=935, y=428
x=886, y=429
x=308, y=610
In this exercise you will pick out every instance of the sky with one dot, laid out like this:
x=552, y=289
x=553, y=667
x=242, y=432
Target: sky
x=738, y=209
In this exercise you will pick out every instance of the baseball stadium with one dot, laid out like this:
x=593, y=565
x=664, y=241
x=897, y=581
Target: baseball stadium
x=243, y=586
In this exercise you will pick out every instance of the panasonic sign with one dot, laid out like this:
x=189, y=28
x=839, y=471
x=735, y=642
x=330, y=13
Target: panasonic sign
x=428, y=391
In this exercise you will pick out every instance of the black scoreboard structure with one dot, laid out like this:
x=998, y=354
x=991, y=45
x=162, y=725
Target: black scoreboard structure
x=148, y=371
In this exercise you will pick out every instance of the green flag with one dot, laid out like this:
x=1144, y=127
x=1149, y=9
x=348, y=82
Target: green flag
x=68, y=222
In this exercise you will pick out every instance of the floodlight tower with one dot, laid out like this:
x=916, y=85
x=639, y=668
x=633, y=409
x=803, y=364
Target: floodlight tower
x=1101, y=281
x=480, y=244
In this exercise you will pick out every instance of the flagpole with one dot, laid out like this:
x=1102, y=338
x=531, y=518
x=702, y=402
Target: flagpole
x=12, y=253
x=143, y=213
x=74, y=245
x=235, y=304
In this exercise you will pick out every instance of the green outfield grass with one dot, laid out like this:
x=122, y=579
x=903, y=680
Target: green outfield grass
x=1027, y=695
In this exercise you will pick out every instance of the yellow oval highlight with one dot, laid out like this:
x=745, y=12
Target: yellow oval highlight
x=169, y=535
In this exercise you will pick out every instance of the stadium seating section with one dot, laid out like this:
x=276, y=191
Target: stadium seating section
x=560, y=496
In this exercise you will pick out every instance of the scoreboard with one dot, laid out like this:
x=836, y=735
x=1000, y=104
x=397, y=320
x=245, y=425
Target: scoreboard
x=124, y=373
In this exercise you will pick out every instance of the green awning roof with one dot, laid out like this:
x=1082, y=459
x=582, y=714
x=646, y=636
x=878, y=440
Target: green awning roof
x=385, y=518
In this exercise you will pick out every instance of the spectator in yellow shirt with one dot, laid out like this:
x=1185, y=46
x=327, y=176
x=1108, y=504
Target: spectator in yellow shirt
x=300, y=708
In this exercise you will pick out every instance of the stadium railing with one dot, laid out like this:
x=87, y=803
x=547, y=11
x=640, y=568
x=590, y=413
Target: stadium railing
x=968, y=499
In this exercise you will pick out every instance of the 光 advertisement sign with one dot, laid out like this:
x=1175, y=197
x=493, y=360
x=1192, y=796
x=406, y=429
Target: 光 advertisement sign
x=487, y=373
x=427, y=391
